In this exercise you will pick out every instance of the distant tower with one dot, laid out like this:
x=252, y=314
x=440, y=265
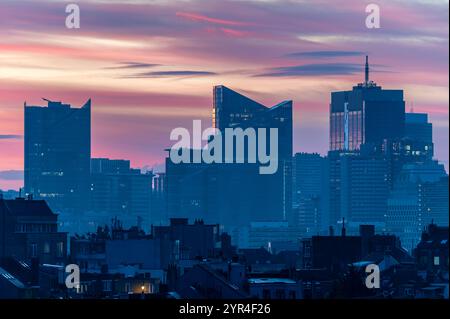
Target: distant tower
x=367, y=71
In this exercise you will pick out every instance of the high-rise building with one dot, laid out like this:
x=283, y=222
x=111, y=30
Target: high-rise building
x=188, y=190
x=159, y=199
x=248, y=195
x=235, y=194
x=307, y=179
x=419, y=197
x=309, y=191
x=359, y=189
x=110, y=166
x=367, y=114
x=57, y=154
x=118, y=190
x=419, y=133
x=418, y=128
x=367, y=148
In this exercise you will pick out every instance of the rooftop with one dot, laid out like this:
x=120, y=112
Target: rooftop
x=26, y=207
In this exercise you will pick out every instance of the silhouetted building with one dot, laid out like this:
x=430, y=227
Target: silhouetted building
x=432, y=253
x=121, y=191
x=190, y=190
x=190, y=240
x=331, y=252
x=419, y=197
x=118, y=250
x=247, y=195
x=267, y=234
x=203, y=282
x=234, y=194
x=110, y=166
x=366, y=115
x=9, y=194
x=309, y=192
x=57, y=154
x=417, y=128
x=335, y=253
x=307, y=171
x=159, y=199
x=29, y=230
x=275, y=288
x=359, y=189
x=116, y=285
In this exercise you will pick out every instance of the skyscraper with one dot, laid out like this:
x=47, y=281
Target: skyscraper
x=57, y=154
x=232, y=110
x=359, y=189
x=159, y=199
x=118, y=190
x=234, y=194
x=308, y=170
x=309, y=191
x=419, y=197
x=418, y=128
x=364, y=124
x=419, y=134
x=366, y=114
x=188, y=191
x=263, y=197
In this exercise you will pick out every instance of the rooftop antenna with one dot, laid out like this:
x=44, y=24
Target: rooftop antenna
x=367, y=71
x=343, y=227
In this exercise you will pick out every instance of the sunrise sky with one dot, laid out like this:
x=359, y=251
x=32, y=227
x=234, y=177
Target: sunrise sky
x=150, y=66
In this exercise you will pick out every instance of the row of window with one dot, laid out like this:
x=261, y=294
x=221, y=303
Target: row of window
x=35, y=228
x=46, y=249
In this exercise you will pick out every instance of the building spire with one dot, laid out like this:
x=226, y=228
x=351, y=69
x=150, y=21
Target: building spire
x=367, y=71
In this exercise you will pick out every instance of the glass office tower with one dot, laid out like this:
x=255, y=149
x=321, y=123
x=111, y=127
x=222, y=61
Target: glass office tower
x=261, y=197
x=367, y=114
x=57, y=154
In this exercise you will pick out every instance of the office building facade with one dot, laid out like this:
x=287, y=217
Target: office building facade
x=118, y=190
x=367, y=114
x=57, y=154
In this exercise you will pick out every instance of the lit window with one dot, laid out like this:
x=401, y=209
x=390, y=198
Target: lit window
x=46, y=248
x=33, y=250
x=60, y=249
x=436, y=260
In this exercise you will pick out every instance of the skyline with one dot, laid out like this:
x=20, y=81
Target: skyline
x=156, y=74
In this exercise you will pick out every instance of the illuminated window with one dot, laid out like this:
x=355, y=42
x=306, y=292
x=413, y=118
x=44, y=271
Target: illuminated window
x=33, y=250
x=60, y=249
x=46, y=248
x=436, y=260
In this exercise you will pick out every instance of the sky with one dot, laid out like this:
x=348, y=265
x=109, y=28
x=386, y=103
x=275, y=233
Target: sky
x=150, y=66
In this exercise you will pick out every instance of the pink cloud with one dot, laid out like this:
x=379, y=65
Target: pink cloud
x=202, y=18
x=235, y=33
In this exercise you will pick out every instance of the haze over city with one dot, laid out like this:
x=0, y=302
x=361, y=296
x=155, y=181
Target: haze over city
x=155, y=71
